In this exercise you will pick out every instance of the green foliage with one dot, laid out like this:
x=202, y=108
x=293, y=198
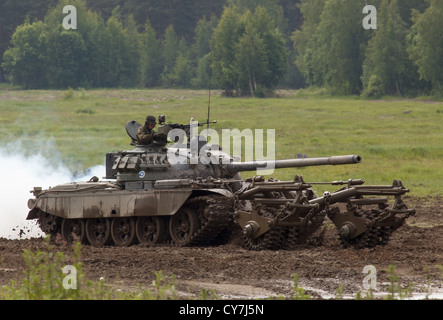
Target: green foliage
x=163, y=287
x=248, y=52
x=151, y=57
x=369, y=295
x=25, y=60
x=395, y=288
x=272, y=7
x=426, y=44
x=338, y=40
x=66, y=50
x=373, y=87
x=298, y=292
x=329, y=47
x=333, y=50
x=170, y=49
x=387, y=68
x=203, y=74
x=43, y=276
x=203, y=34
x=178, y=69
x=121, y=56
x=69, y=94
x=201, y=52
x=225, y=36
x=44, y=54
x=304, y=40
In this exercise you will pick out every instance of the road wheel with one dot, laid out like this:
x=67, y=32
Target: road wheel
x=73, y=230
x=123, y=231
x=151, y=230
x=183, y=226
x=98, y=231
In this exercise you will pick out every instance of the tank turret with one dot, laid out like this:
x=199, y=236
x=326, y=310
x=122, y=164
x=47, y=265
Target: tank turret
x=184, y=161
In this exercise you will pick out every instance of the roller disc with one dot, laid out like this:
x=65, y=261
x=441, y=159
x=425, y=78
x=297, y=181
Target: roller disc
x=151, y=230
x=98, y=231
x=73, y=230
x=123, y=231
x=183, y=225
x=271, y=240
x=372, y=237
x=359, y=242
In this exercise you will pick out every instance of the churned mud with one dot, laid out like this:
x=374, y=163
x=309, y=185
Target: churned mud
x=325, y=269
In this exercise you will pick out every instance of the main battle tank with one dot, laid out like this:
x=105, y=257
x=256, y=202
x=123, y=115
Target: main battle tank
x=156, y=193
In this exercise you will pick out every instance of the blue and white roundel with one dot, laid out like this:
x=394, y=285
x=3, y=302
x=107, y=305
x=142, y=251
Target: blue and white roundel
x=141, y=174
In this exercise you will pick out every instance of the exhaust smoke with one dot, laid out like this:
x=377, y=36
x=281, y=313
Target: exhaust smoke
x=20, y=173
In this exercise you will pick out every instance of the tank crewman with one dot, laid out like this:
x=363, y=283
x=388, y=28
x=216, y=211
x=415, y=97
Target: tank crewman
x=145, y=134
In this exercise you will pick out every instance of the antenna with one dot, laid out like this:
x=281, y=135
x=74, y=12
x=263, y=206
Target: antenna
x=209, y=97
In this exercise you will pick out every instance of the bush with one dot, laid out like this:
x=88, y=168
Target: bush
x=69, y=94
x=374, y=87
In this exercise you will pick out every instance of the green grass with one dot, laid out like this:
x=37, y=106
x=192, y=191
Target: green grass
x=397, y=138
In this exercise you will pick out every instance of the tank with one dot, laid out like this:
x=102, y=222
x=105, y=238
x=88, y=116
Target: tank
x=160, y=193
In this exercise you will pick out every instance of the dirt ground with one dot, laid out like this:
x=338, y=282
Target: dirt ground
x=416, y=251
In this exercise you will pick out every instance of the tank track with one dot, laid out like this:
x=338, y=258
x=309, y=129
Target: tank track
x=215, y=214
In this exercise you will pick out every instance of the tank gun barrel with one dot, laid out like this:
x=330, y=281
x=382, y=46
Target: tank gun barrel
x=292, y=163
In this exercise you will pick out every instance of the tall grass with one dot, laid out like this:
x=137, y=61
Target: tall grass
x=396, y=138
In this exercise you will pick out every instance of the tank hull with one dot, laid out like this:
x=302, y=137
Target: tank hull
x=111, y=203
x=101, y=213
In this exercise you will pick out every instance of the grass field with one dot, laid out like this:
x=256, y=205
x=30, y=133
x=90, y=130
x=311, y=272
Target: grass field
x=396, y=138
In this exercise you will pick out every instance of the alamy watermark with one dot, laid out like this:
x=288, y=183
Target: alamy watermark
x=205, y=146
x=370, y=21
x=70, y=21
x=70, y=281
x=370, y=280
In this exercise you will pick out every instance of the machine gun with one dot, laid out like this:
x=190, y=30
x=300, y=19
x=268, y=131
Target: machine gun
x=184, y=129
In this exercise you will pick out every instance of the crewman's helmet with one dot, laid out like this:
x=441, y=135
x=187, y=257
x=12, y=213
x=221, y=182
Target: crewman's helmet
x=150, y=119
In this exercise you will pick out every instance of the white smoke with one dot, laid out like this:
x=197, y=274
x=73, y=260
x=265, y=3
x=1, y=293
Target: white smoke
x=19, y=174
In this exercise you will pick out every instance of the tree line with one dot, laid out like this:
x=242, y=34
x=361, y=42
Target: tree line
x=245, y=47
x=402, y=56
x=100, y=53
x=118, y=52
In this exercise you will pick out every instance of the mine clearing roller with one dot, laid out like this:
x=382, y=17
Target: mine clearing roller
x=157, y=194
x=282, y=214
